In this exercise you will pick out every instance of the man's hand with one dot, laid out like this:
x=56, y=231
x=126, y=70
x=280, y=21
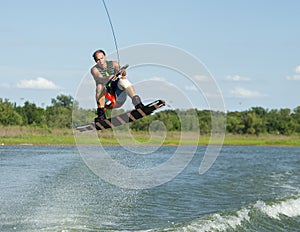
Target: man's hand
x=113, y=77
x=123, y=72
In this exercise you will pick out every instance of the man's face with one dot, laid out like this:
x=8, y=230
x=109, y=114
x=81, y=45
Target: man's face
x=100, y=59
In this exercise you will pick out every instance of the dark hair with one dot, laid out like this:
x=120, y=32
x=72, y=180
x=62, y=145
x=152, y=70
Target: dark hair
x=98, y=51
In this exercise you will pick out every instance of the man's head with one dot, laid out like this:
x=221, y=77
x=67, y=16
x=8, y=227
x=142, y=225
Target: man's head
x=100, y=57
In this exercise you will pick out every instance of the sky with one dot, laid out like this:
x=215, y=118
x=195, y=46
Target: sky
x=251, y=49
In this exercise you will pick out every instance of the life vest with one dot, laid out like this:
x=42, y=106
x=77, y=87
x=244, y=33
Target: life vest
x=110, y=96
x=109, y=69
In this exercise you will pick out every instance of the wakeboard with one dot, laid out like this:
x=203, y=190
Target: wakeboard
x=122, y=118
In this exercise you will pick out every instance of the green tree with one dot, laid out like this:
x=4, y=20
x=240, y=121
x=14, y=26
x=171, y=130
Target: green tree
x=280, y=122
x=8, y=114
x=261, y=114
x=204, y=118
x=31, y=114
x=170, y=119
x=253, y=123
x=296, y=119
x=63, y=100
x=59, y=115
x=286, y=125
x=272, y=122
x=235, y=123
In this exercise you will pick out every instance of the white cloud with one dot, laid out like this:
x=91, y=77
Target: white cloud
x=293, y=78
x=236, y=78
x=157, y=78
x=245, y=93
x=296, y=76
x=201, y=78
x=191, y=88
x=38, y=83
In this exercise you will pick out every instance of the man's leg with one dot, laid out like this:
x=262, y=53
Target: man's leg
x=124, y=84
x=100, y=95
x=100, y=98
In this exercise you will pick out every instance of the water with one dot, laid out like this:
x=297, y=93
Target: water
x=247, y=189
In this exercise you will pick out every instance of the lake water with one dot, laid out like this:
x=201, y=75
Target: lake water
x=50, y=188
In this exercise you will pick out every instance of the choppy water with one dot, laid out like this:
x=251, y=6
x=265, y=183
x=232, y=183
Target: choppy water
x=247, y=189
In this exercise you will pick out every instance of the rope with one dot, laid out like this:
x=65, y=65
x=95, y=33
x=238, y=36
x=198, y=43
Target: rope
x=112, y=29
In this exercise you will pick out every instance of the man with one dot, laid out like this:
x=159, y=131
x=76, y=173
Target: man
x=111, y=91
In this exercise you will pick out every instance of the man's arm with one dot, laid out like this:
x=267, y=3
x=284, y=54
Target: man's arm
x=116, y=66
x=98, y=76
x=118, y=70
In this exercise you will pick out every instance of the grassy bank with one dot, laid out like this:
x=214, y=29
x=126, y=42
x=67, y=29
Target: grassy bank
x=37, y=136
x=262, y=140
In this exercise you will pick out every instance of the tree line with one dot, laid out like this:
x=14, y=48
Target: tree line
x=57, y=115
x=64, y=112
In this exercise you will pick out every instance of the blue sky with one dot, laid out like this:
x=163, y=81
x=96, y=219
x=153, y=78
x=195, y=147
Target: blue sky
x=251, y=48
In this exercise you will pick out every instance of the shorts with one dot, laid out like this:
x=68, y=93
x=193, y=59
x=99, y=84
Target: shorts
x=120, y=94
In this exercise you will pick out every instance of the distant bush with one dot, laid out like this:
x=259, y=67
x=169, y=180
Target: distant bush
x=256, y=120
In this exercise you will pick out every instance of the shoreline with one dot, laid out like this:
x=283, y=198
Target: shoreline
x=67, y=138
x=164, y=145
